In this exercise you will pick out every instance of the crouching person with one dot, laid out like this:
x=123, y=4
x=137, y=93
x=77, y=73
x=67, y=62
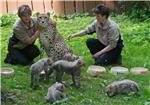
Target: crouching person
x=21, y=48
x=107, y=47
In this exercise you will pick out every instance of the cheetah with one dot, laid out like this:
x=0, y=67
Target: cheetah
x=123, y=86
x=50, y=39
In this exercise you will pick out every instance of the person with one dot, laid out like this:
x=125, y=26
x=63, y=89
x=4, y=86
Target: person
x=21, y=48
x=106, y=49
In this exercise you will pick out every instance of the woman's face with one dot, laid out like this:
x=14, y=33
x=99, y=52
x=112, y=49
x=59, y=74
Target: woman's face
x=25, y=17
x=100, y=18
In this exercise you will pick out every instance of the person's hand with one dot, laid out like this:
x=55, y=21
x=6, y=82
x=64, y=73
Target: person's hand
x=37, y=33
x=70, y=37
x=96, y=55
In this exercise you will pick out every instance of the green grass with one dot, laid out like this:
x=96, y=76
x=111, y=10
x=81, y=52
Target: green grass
x=136, y=52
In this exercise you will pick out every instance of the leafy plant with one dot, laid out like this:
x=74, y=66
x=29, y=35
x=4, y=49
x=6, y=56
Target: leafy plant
x=135, y=9
x=7, y=19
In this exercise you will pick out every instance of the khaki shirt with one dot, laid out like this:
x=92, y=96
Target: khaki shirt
x=108, y=34
x=22, y=31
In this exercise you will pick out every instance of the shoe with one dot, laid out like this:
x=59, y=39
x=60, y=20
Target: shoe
x=119, y=60
x=31, y=62
x=7, y=59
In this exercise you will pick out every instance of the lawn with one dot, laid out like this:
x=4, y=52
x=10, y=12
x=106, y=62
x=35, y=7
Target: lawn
x=136, y=52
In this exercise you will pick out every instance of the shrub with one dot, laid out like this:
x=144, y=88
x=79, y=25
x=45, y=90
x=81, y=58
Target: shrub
x=7, y=19
x=135, y=9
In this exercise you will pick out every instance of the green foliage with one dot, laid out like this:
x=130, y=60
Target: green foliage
x=139, y=34
x=136, y=9
x=7, y=19
x=136, y=52
x=140, y=11
x=71, y=16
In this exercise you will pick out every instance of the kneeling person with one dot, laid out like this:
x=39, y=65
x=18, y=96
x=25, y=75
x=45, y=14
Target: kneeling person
x=106, y=49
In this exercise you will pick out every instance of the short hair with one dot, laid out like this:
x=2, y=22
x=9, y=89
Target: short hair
x=24, y=9
x=102, y=9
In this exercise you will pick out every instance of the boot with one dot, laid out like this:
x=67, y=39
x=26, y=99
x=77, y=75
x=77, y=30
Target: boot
x=119, y=60
x=7, y=59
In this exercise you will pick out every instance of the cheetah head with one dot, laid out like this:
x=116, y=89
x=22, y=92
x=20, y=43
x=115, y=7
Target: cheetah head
x=43, y=19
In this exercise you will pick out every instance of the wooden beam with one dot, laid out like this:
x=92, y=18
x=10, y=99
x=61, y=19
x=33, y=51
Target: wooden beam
x=48, y=5
x=12, y=6
x=69, y=7
x=79, y=6
x=24, y=2
x=88, y=6
x=38, y=6
x=3, y=7
x=59, y=7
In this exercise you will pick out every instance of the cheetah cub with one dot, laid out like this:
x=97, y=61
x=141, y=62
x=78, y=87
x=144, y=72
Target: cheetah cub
x=37, y=68
x=56, y=93
x=72, y=68
x=120, y=87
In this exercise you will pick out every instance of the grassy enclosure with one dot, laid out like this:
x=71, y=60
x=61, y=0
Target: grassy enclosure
x=136, y=52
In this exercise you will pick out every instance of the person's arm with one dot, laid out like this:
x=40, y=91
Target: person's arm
x=89, y=30
x=80, y=33
x=30, y=40
x=104, y=50
x=113, y=38
x=23, y=36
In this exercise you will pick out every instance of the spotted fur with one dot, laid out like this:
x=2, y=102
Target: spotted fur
x=50, y=39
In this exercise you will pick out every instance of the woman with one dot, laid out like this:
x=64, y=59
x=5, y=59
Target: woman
x=21, y=48
x=106, y=49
